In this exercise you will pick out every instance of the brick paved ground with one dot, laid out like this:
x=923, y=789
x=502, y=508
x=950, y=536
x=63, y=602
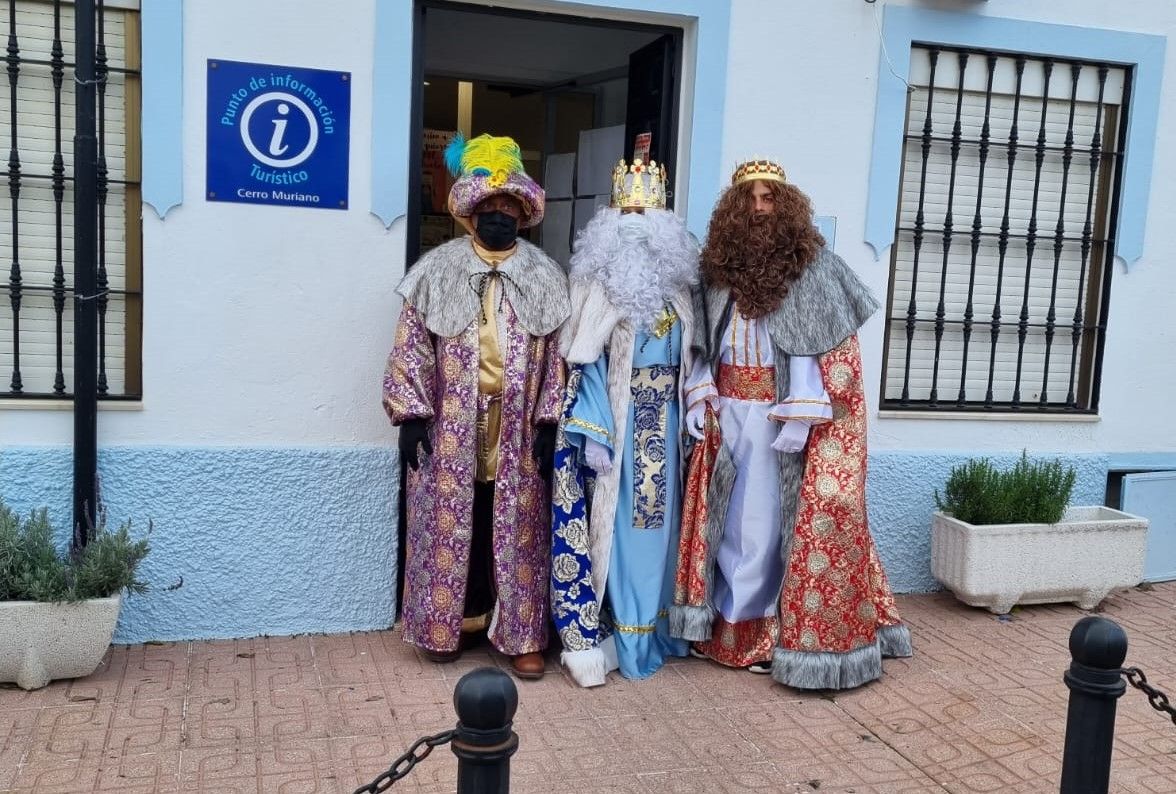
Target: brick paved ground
x=981, y=707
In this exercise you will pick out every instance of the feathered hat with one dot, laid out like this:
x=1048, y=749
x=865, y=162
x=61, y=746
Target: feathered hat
x=487, y=166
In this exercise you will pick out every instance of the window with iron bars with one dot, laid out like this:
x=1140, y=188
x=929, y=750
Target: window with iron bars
x=1003, y=254
x=36, y=233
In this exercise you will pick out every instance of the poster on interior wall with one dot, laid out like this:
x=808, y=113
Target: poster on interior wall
x=277, y=135
x=641, y=146
x=435, y=230
x=435, y=177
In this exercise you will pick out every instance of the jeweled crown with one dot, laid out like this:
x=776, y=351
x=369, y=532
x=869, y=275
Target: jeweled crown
x=639, y=185
x=758, y=169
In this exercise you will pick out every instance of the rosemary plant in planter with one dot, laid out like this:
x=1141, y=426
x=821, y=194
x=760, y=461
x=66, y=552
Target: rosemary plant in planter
x=1002, y=538
x=58, y=611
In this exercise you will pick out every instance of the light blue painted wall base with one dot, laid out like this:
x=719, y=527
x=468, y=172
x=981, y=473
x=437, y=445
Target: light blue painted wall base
x=267, y=540
x=288, y=541
x=1143, y=461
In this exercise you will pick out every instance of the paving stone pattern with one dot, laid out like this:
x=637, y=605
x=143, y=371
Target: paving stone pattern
x=980, y=708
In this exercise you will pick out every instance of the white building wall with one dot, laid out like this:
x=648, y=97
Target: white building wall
x=269, y=325
x=806, y=95
x=262, y=325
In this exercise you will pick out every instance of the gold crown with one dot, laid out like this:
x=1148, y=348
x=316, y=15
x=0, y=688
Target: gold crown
x=758, y=169
x=639, y=185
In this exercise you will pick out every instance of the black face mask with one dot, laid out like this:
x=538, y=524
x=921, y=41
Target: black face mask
x=497, y=230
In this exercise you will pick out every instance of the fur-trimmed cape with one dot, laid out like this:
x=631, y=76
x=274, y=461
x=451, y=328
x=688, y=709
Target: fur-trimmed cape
x=823, y=308
x=439, y=287
x=596, y=325
x=624, y=272
x=836, y=614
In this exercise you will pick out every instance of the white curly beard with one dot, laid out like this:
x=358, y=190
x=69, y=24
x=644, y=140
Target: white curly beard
x=641, y=260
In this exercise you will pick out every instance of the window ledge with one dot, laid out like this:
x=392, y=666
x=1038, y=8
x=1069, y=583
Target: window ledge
x=990, y=416
x=67, y=405
x=129, y=5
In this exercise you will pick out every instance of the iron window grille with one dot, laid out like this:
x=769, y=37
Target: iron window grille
x=1004, y=239
x=36, y=297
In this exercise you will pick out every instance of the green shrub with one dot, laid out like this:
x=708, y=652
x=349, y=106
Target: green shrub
x=32, y=568
x=1032, y=492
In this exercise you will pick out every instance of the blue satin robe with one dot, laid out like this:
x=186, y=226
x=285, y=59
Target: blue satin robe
x=640, y=583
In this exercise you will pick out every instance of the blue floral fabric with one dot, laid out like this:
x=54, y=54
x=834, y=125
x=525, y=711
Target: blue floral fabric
x=575, y=606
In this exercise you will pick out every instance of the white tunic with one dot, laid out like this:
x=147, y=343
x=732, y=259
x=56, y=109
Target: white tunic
x=750, y=566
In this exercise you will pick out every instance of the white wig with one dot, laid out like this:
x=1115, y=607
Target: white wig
x=641, y=260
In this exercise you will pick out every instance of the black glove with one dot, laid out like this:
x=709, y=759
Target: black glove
x=543, y=450
x=412, y=433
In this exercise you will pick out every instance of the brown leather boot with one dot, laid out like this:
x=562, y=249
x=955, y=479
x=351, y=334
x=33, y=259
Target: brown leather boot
x=527, y=665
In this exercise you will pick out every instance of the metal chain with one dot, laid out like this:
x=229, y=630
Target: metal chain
x=404, y=764
x=1158, y=700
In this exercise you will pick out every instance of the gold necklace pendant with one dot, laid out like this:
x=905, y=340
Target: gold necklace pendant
x=664, y=322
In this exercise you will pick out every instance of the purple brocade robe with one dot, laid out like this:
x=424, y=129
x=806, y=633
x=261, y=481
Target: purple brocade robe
x=436, y=378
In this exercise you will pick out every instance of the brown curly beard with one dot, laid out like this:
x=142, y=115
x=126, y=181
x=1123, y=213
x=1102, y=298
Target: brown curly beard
x=759, y=256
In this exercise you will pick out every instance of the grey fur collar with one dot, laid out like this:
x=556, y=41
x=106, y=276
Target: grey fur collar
x=826, y=305
x=439, y=287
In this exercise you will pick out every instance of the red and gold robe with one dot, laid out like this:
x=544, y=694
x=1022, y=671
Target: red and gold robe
x=836, y=615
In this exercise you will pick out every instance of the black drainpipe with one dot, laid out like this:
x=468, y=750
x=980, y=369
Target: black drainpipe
x=85, y=451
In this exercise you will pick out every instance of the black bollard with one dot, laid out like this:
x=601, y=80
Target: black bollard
x=1097, y=649
x=485, y=700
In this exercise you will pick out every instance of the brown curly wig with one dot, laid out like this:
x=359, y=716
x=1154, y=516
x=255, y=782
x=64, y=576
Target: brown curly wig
x=758, y=256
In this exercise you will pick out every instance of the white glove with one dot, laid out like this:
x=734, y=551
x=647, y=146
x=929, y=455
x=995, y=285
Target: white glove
x=696, y=420
x=792, y=437
x=597, y=456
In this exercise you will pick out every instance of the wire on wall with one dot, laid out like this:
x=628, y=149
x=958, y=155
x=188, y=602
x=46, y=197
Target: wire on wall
x=882, y=42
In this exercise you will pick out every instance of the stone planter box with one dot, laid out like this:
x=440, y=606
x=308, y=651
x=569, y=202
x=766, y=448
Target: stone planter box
x=43, y=642
x=1090, y=552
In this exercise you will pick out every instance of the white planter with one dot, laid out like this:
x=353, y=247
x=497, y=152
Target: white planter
x=43, y=642
x=1090, y=552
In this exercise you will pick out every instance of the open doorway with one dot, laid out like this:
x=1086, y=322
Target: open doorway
x=576, y=93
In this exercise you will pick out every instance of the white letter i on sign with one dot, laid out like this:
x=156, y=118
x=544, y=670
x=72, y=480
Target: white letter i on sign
x=276, y=147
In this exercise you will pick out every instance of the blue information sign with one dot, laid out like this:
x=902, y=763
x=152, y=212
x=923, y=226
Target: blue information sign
x=278, y=135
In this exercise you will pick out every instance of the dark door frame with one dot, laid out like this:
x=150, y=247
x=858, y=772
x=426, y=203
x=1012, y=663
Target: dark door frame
x=412, y=235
